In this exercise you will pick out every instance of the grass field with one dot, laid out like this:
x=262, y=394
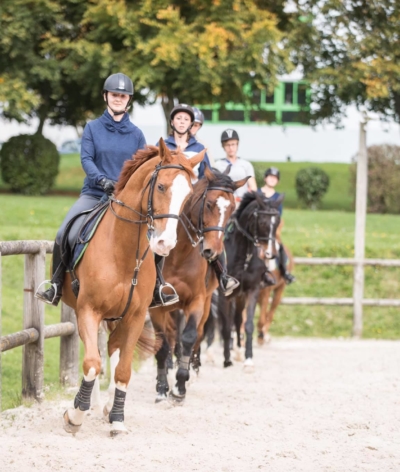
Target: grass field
x=307, y=233
x=338, y=196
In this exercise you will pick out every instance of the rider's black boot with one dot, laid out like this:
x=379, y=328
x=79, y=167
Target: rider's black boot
x=227, y=283
x=159, y=297
x=52, y=295
x=284, y=260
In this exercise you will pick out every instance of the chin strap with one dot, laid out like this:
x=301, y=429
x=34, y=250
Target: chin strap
x=178, y=132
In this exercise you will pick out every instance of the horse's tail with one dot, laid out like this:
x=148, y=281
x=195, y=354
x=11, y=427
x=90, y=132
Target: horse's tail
x=149, y=341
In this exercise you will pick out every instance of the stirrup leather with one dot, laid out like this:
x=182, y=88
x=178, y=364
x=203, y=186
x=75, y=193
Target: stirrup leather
x=54, y=285
x=160, y=294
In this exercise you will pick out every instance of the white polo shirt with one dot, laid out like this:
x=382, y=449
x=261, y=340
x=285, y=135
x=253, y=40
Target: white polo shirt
x=239, y=170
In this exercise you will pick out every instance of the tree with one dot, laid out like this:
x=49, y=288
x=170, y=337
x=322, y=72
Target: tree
x=194, y=52
x=350, y=53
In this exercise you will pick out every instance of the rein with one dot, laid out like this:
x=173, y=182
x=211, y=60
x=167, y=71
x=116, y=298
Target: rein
x=149, y=218
x=255, y=239
x=200, y=230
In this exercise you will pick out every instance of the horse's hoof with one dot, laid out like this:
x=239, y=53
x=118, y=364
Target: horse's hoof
x=260, y=339
x=161, y=397
x=228, y=363
x=118, y=428
x=176, y=399
x=68, y=426
x=248, y=365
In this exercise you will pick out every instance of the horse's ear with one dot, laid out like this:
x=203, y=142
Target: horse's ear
x=193, y=161
x=209, y=173
x=277, y=202
x=165, y=154
x=240, y=183
x=227, y=170
x=261, y=200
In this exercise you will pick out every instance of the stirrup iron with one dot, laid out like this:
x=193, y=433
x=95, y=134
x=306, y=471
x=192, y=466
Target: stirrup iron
x=160, y=293
x=54, y=285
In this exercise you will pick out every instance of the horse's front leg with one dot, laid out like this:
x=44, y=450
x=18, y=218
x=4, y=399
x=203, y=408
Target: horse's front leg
x=196, y=361
x=124, y=337
x=88, y=324
x=249, y=327
x=159, y=320
x=194, y=313
x=263, y=302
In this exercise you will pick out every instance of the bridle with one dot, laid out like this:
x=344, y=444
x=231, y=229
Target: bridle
x=201, y=229
x=143, y=219
x=255, y=239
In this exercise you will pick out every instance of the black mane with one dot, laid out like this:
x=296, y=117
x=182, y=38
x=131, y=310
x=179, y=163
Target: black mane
x=222, y=180
x=248, y=198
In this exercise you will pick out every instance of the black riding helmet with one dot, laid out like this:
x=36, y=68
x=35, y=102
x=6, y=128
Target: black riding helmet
x=272, y=171
x=182, y=107
x=229, y=134
x=118, y=83
x=198, y=116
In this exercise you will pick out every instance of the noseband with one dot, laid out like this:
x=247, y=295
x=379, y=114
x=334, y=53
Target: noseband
x=256, y=239
x=200, y=230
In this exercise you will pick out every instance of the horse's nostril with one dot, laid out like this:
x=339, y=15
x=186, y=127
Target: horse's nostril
x=207, y=253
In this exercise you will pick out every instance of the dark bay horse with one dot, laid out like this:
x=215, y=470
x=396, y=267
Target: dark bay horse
x=250, y=239
x=187, y=269
x=116, y=278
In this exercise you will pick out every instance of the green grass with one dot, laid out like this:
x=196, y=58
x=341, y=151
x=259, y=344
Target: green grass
x=338, y=197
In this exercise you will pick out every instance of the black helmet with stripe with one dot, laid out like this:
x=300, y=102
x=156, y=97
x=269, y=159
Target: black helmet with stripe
x=229, y=134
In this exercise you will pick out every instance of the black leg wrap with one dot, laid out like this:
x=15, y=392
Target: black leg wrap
x=117, y=411
x=82, y=399
x=162, y=381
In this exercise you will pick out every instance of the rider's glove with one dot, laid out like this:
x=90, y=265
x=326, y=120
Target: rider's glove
x=107, y=185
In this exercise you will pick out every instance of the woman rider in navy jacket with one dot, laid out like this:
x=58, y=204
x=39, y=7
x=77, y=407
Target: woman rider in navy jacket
x=107, y=143
x=182, y=118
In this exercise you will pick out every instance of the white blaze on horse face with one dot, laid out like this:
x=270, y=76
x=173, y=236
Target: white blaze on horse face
x=271, y=230
x=222, y=204
x=163, y=243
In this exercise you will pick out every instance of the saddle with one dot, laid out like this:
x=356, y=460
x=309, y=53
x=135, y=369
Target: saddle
x=77, y=236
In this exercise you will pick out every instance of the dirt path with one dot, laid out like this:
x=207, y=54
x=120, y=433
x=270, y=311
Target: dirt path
x=310, y=405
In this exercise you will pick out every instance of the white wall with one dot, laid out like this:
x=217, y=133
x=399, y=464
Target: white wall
x=257, y=142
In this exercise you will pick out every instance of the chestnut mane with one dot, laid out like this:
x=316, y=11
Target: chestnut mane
x=144, y=155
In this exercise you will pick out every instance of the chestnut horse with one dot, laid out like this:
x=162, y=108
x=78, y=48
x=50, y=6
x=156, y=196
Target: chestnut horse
x=187, y=269
x=116, y=278
x=267, y=314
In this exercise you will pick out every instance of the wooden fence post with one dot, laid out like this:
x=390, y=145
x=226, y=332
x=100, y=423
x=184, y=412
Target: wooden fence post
x=33, y=354
x=69, y=350
x=1, y=373
x=359, y=234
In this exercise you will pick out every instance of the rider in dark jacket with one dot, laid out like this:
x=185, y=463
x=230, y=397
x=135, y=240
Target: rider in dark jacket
x=271, y=179
x=107, y=143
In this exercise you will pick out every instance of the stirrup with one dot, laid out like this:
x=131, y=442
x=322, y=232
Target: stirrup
x=229, y=290
x=43, y=299
x=175, y=295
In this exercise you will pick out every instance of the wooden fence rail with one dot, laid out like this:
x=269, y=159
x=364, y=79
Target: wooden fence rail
x=35, y=331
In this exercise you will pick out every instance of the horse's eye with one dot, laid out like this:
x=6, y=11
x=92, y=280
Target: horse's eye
x=161, y=187
x=209, y=205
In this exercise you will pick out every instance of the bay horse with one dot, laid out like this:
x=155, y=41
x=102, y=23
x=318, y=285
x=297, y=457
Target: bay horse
x=116, y=278
x=188, y=270
x=249, y=240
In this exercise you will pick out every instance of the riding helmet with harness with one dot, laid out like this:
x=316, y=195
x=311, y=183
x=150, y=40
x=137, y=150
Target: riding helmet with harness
x=181, y=107
x=198, y=115
x=119, y=83
x=229, y=134
x=272, y=171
